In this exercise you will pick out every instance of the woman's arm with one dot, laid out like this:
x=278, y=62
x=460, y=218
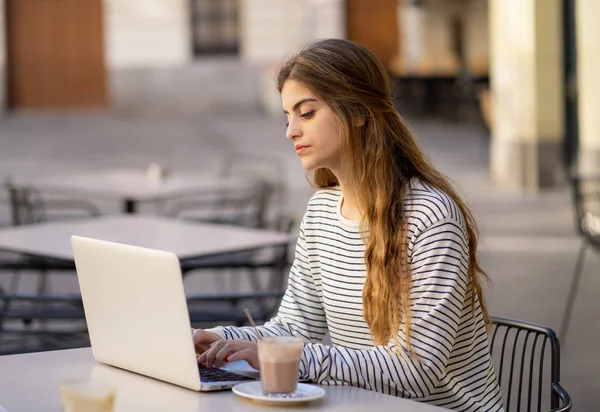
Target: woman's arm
x=439, y=298
x=301, y=311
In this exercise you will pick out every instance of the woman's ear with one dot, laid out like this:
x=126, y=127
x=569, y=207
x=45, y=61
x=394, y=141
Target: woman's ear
x=360, y=118
x=359, y=121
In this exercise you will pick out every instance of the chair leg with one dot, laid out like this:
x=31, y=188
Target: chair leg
x=14, y=281
x=572, y=293
x=13, y=288
x=42, y=289
x=257, y=287
x=2, y=307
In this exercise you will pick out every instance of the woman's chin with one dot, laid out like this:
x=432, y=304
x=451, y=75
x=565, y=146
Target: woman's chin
x=308, y=165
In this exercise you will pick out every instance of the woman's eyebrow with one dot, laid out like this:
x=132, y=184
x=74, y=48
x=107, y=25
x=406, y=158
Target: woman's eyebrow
x=301, y=102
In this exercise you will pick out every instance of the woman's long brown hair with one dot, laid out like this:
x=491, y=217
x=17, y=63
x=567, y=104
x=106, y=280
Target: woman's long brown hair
x=380, y=157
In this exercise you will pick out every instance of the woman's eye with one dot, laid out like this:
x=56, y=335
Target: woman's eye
x=307, y=115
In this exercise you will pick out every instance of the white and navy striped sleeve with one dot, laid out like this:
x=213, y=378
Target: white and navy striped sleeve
x=301, y=311
x=439, y=263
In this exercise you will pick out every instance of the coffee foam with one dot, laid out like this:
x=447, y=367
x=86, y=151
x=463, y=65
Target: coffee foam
x=280, y=352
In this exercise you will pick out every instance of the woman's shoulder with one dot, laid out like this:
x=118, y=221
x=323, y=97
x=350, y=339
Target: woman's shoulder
x=328, y=196
x=323, y=202
x=430, y=205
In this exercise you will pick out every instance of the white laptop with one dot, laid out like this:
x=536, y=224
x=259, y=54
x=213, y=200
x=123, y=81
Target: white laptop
x=137, y=315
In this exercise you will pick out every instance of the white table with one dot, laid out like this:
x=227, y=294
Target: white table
x=186, y=239
x=130, y=186
x=31, y=383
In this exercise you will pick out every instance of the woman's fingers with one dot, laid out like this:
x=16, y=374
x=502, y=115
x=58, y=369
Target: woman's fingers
x=239, y=355
x=203, y=340
x=219, y=351
x=249, y=355
x=203, y=337
x=210, y=354
x=201, y=358
x=229, y=351
x=226, y=350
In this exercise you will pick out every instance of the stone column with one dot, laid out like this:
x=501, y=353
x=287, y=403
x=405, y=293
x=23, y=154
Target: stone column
x=527, y=92
x=411, y=30
x=588, y=79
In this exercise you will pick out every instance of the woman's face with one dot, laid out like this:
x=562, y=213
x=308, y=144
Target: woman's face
x=311, y=127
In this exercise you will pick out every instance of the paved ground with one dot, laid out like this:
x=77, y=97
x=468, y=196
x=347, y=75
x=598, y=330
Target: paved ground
x=529, y=243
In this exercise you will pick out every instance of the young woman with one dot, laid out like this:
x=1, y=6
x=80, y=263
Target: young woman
x=386, y=259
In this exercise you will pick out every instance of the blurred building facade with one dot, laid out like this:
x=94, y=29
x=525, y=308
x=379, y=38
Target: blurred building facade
x=438, y=36
x=527, y=87
x=172, y=56
x=586, y=87
x=177, y=55
x=545, y=91
x=130, y=54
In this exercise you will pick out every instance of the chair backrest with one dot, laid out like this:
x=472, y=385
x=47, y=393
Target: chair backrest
x=5, y=209
x=29, y=206
x=281, y=254
x=586, y=194
x=241, y=206
x=527, y=361
x=266, y=168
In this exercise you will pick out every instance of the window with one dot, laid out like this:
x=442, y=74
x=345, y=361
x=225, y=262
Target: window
x=215, y=27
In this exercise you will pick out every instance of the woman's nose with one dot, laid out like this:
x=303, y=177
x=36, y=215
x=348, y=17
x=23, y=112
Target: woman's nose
x=293, y=130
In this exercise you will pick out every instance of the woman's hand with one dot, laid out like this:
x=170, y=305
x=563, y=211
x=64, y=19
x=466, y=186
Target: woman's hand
x=229, y=351
x=203, y=340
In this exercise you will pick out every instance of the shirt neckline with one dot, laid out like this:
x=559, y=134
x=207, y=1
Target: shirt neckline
x=347, y=223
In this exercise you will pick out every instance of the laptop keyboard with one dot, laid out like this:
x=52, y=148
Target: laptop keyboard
x=220, y=375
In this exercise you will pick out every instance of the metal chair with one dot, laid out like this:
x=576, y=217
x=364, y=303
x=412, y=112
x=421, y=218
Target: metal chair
x=265, y=168
x=29, y=206
x=586, y=196
x=529, y=376
x=249, y=207
x=241, y=207
x=263, y=301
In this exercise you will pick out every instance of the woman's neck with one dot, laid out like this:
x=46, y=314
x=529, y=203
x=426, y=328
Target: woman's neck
x=349, y=208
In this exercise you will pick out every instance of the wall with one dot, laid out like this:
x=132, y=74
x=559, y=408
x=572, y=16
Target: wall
x=142, y=33
x=152, y=69
x=141, y=36
x=149, y=52
x=272, y=30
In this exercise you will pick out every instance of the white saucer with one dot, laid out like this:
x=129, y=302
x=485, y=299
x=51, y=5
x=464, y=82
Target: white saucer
x=253, y=390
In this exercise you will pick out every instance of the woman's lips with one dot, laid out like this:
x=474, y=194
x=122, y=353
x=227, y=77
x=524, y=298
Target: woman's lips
x=300, y=149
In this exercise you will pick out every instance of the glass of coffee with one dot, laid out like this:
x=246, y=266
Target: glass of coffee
x=279, y=358
x=87, y=395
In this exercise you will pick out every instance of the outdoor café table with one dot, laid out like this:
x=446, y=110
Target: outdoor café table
x=31, y=383
x=130, y=187
x=188, y=240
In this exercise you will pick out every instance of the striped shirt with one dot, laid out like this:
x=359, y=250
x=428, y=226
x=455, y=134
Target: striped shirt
x=452, y=367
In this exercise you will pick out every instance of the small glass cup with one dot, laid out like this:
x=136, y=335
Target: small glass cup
x=279, y=358
x=87, y=395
